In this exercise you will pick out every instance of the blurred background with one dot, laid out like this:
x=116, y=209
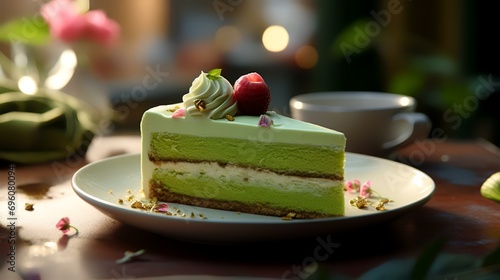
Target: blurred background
x=443, y=53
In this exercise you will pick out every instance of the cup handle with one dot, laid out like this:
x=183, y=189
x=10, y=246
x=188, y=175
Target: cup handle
x=414, y=125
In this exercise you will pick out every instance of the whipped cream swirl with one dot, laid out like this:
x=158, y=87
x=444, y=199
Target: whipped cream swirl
x=215, y=96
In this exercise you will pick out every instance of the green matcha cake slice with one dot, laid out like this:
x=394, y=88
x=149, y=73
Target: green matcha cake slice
x=287, y=167
x=220, y=148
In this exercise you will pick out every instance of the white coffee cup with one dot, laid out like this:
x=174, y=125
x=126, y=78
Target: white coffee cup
x=374, y=123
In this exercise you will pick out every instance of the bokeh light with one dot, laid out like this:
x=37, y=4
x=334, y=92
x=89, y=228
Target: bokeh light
x=27, y=85
x=227, y=37
x=306, y=57
x=63, y=71
x=275, y=38
x=405, y=101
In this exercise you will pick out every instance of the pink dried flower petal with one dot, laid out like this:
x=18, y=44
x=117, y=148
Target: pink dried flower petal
x=365, y=189
x=356, y=184
x=179, y=113
x=348, y=186
x=352, y=186
x=162, y=207
x=265, y=121
x=63, y=225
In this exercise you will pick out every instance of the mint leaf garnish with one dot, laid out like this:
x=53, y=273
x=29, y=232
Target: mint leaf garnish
x=214, y=74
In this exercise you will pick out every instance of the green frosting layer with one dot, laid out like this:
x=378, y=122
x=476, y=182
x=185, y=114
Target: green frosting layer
x=328, y=201
x=305, y=160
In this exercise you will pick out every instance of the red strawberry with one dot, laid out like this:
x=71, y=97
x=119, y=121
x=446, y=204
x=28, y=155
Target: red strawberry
x=252, y=94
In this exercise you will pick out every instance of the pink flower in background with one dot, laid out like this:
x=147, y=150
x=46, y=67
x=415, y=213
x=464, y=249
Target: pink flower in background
x=101, y=28
x=68, y=24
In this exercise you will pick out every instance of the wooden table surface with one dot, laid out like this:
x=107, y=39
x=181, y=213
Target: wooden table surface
x=457, y=212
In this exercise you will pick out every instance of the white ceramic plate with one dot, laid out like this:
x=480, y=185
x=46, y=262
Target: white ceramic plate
x=104, y=182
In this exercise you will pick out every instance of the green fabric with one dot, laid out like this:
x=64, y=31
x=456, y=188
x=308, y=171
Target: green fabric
x=43, y=127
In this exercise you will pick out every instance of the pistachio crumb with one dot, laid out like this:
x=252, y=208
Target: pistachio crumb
x=29, y=207
x=173, y=109
x=360, y=202
x=289, y=216
x=136, y=204
x=200, y=104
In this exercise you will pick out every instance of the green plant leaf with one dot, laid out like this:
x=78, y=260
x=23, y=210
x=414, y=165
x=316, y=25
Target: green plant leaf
x=490, y=189
x=424, y=261
x=408, y=82
x=352, y=40
x=27, y=30
x=435, y=64
x=214, y=74
x=453, y=92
